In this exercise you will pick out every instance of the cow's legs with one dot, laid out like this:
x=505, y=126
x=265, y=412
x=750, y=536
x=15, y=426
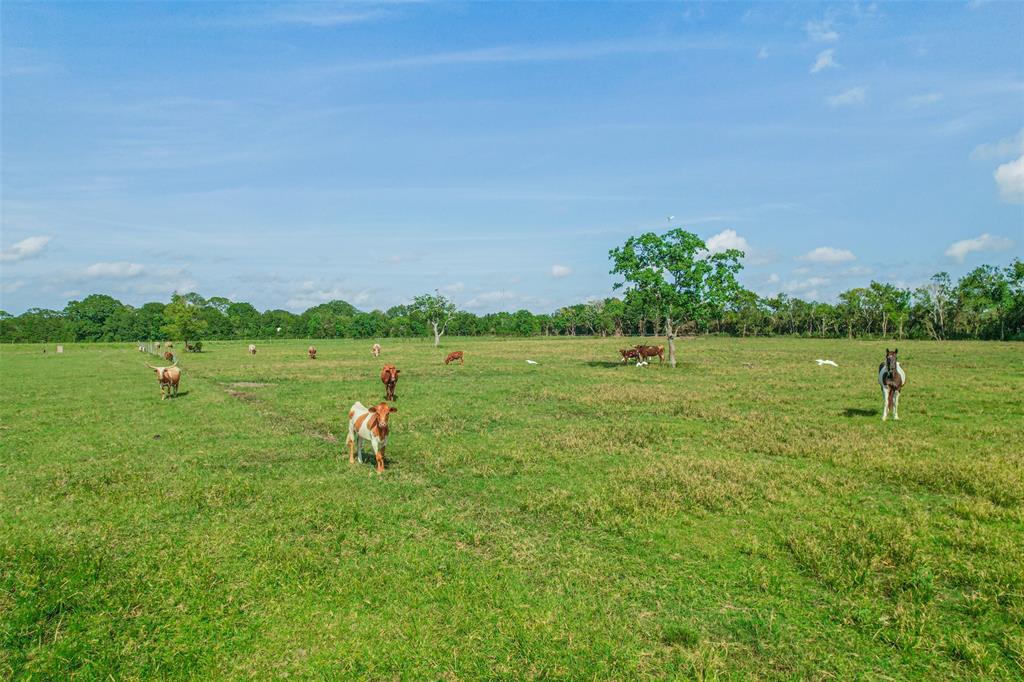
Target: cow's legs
x=380, y=459
x=359, y=449
x=351, y=442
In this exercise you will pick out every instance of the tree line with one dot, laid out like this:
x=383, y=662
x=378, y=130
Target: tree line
x=670, y=284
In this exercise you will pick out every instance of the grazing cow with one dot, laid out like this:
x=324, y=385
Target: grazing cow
x=651, y=351
x=169, y=356
x=312, y=352
x=252, y=349
x=389, y=377
x=368, y=424
x=629, y=354
x=157, y=344
x=170, y=344
x=168, y=378
x=375, y=350
x=453, y=356
x=891, y=377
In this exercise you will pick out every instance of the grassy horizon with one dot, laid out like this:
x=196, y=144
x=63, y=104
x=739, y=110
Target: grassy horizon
x=744, y=515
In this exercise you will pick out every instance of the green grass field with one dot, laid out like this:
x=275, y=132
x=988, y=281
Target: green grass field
x=745, y=515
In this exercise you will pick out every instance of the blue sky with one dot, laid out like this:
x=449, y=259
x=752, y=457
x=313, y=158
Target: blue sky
x=289, y=154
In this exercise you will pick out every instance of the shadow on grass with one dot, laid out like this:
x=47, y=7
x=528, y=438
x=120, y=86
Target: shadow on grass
x=605, y=363
x=859, y=412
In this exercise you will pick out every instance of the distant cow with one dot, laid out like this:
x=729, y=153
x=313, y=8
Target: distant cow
x=168, y=378
x=142, y=348
x=169, y=356
x=368, y=424
x=629, y=354
x=645, y=352
x=252, y=349
x=453, y=356
x=312, y=352
x=389, y=377
x=157, y=344
x=170, y=344
x=375, y=350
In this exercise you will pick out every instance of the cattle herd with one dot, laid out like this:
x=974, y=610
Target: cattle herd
x=371, y=423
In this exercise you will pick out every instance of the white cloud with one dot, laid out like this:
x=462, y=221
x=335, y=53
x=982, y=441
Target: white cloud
x=1005, y=148
x=309, y=296
x=849, y=97
x=806, y=288
x=821, y=31
x=119, y=270
x=324, y=16
x=560, y=271
x=773, y=278
x=727, y=239
x=924, y=100
x=1010, y=179
x=958, y=250
x=828, y=255
x=824, y=60
x=26, y=248
x=453, y=288
x=11, y=287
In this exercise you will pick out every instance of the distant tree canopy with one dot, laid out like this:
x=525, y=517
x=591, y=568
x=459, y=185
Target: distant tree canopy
x=697, y=290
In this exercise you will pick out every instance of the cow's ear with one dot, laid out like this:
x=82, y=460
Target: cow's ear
x=393, y=409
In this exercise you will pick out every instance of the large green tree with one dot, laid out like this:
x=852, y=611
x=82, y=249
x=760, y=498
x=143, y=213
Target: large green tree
x=183, y=319
x=675, y=277
x=436, y=310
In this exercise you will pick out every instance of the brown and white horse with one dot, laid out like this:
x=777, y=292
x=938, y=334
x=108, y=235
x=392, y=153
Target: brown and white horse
x=891, y=378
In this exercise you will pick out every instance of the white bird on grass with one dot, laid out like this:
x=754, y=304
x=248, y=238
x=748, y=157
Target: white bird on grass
x=531, y=362
x=825, y=362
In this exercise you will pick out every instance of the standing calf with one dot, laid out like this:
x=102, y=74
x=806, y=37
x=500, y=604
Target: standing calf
x=375, y=350
x=169, y=356
x=453, y=356
x=312, y=353
x=368, y=424
x=389, y=377
x=168, y=378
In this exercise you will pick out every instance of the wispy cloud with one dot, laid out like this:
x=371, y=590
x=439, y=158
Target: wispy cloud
x=924, y=100
x=118, y=270
x=559, y=271
x=26, y=248
x=822, y=31
x=824, y=60
x=828, y=255
x=849, y=97
x=528, y=53
x=1008, y=146
x=958, y=251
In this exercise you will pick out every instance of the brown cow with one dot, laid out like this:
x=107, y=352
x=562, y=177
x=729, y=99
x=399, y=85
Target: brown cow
x=169, y=356
x=312, y=352
x=453, y=356
x=645, y=352
x=375, y=350
x=168, y=378
x=389, y=377
x=629, y=354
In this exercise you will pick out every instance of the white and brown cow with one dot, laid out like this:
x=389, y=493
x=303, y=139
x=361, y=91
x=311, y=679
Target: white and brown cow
x=368, y=424
x=375, y=350
x=168, y=378
x=252, y=349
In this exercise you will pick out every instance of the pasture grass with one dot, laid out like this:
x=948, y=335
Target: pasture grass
x=744, y=515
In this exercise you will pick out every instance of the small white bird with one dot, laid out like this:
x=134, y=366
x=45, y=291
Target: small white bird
x=642, y=363
x=670, y=218
x=825, y=362
x=531, y=362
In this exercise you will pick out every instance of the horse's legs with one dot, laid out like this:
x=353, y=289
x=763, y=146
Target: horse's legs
x=896, y=406
x=885, y=403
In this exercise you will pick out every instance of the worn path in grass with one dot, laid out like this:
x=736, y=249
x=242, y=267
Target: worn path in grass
x=745, y=514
